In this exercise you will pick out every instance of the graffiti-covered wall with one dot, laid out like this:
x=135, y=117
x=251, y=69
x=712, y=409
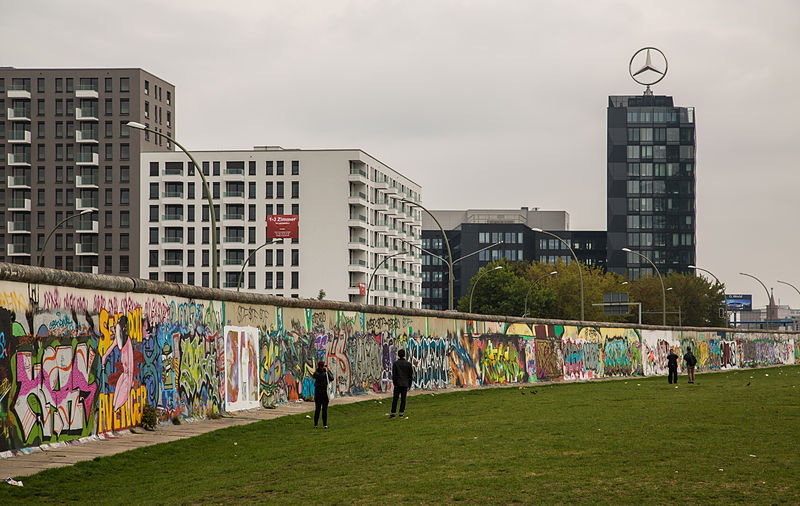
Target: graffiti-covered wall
x=77, y=362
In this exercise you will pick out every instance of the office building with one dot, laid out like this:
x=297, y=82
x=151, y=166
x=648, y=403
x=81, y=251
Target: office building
x=351, y=213
x=651, y=185
x=472, y=230
x=65, y=149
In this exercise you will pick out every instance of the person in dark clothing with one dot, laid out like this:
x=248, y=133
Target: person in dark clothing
x=321, y=378
x=672, y=366
x=402, y=378
x=691, y=361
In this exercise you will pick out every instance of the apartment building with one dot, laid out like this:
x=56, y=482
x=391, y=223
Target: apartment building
x=356, y=218
x=65, y=150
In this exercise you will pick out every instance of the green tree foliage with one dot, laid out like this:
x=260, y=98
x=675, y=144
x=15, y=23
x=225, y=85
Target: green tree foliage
x=503, y=292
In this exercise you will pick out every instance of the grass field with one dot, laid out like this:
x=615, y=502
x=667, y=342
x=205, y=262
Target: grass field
x=629, y=441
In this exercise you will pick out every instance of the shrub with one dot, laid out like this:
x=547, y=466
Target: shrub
x=149, y=417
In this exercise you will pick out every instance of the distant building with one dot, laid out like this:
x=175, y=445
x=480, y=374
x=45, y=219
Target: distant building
x=651, y=185
x=351, y=218
x=471, y=230
x=65, y=148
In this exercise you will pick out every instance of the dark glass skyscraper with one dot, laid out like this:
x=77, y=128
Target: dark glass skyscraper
x=651, y=184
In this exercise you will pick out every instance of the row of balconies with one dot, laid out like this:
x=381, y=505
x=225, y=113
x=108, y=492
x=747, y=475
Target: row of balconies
x=81, y=91
x=24, y=249
x=24, y=227
x=81, y=181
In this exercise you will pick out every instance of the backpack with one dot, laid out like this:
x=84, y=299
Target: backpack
x=690, y=359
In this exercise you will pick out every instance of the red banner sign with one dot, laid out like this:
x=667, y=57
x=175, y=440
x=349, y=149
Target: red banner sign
x=362, y=289
x=283, y=226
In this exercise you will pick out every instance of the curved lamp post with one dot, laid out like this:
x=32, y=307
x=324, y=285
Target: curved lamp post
x=580, y=274
x=663, y=291
x=241, y=273
x=785, y=283
x=449, y=253
x=769, y=296
x=44, y=246
x=375, y=270
x=483, y=272
x=706, y=271
x=531, y=289
x=199, y=170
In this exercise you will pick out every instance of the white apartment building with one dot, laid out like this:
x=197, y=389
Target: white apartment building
x=352, y=219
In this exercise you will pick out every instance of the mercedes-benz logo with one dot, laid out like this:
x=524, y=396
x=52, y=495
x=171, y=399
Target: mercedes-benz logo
x=644, y=70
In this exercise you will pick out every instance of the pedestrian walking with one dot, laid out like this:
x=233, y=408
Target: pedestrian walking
x=672, y=367
x=321, y=378
x=402, y=378
x=691, y=361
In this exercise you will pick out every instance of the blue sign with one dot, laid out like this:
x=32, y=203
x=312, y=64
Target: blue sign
x=739, y=302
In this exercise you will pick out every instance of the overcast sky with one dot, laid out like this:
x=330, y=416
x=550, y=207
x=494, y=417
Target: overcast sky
x=486, y=104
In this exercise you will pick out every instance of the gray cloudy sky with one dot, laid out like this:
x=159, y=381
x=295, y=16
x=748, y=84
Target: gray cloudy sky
x=484, y=103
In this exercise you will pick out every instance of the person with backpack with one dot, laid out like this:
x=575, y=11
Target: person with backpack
x=322, y=376
x=691, y=361
x=403, y=378
x=672, y=367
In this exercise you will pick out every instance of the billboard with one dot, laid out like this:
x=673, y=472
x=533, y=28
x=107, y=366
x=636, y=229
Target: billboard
x=739, y=302
x=283, y=226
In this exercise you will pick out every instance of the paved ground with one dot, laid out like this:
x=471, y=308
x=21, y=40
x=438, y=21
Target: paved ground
x=66, y=455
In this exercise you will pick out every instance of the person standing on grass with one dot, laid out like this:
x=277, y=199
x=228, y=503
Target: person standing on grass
x=672, y=366
x=321, y=378
x=402, y=377
x=691, y=361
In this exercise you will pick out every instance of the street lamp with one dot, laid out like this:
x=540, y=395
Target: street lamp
x=769, y=296
x=44, y=246
x=241, y=273
x=471, y=292
x=663, y=291
x=580, y=274
x=449, y=253
x=374, y=271
x=707, y=271
x=531, y=289
x=199, y=170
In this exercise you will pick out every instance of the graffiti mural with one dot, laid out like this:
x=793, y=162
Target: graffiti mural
x=76, y=362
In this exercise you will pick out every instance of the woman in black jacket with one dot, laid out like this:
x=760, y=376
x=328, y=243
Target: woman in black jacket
x=321, y=378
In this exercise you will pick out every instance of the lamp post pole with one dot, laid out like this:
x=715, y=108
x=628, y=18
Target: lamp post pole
x=241, y=273
x=663, y=291
x=531, y=289
x=769, y=297
x=580, y=274
x=706, y=271
x=44, y=246
x=723, y=306
x=199, y=170
x=795, y=288
x=374, y=271
x=449, y=253
x=471, y=292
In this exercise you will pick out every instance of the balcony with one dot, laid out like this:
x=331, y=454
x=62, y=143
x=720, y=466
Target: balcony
x=19, y=205
x=172, y=261
x=81, y=204
x=234, y=238
x=234, y=172
x=86, y=181
x=234, y=194
x=18, y=92
x=85, y=249
x=358, y=198
x=172, y=239
x=172, y=217
x=86, y=136
x=19, y=227
x=358, y=176
x=19, y=114
x=89, y=269
x=19, y=182
x=357, y=220
x=19, y=136
x=87, y=159
x=234, y=217
x=172, y=195
x=233, y=261
x=18, y=249
x=86, y=226
x=86, y=114
x=86, y=91
x=19, y=159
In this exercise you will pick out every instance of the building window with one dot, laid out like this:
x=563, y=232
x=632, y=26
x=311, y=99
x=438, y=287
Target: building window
x=125, y=174
x=124, y=219
x=295, y=280
x=124, y=196
x=269, y=168
x=279, y=259
x=153, y=191
x=124, y=263
x=109, y=220
x=295, y=257
x=124, y=242
x=269, y=190
x=279, y=170
x=268, y=281
x=279, y=190
x=251, y=168
x=109, y=109
x=295, y=189
x=295, y=168
x=124, y=107
x=124, y=151
x=153, y=235
x=279, y=280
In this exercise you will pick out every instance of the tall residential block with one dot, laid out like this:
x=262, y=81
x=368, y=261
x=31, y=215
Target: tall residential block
x=355, y=217
x=64, y=150
x=651, y=185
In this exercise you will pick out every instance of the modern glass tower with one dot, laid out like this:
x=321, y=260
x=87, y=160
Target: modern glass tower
x=651, y=184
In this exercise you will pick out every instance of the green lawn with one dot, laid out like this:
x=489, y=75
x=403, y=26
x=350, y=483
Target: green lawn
x=635, y=440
